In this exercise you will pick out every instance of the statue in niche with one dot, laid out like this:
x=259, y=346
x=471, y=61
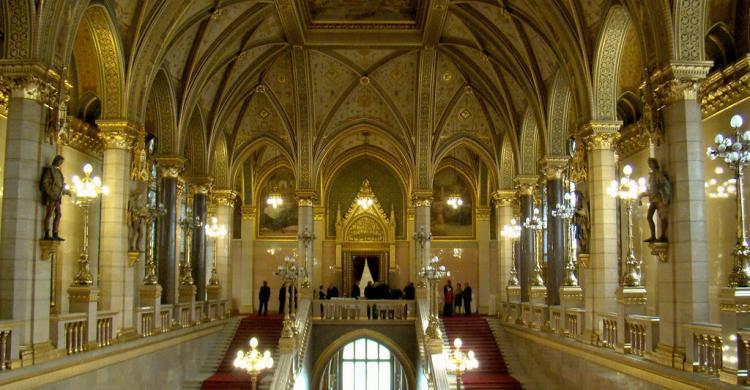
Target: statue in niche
x=582, y=222
x=137, y=216
x=53, y=187
x=658, y=191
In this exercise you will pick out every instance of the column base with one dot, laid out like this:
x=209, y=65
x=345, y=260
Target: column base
x=213, y=291
x=187, y=293
x=538, y=295
x=150, y=292
x=39, y=353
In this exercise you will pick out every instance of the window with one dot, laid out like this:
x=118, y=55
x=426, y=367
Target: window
x=364, y=364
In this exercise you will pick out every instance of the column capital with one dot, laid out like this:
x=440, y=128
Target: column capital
x=224, y=196
x=200, y=184
x=306, y=198
x=504, y=198
x=118, y=134
x=679, y=80
x=554, y=166
x=599, y=135
x=249, y=212
x=421, y=198
x=483, y=213
x=526, y=184
x=723, y=89
x=31, y=80
x=170, y=165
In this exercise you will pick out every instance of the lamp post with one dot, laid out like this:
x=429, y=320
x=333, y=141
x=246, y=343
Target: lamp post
x=152, y=213
x=628, y=190
x=433, y=272
x=512, y=232
x=188, y=223
x=86, y=190
x=289, y=274
x=422, y=237
x=735, y=150
x=460, y=362
x=215, y=231
x=536, y=223
x=566, y=211
x=253, y=362
x=307, y=238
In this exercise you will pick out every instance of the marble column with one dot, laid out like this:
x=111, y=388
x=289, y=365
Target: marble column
x=170, y=167
x=554, y=168
x=319, y=227
x=245, y=274
x=526, y=185
x=201, y=186
x=422, y=201
x=26, y=277
x=224, y=200
x=503, y=214
x=179, y=237
x=481, y=296
x=305, y=221
x=604, y=240
x=682, y=287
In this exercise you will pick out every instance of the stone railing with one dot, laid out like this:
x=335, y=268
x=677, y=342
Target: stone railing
x=526, y=313
x=165, y=318
x=704, y=345
x=433, y=362
x=183, y=314
x=293, y=350
x=743, y=351
x=9, y=344
x=363, y=309
x=556, y=320
x=105, y=328
x=69, y=331
x=608, y=329
x=575, y=319
x=145, y=320
x=642, y=334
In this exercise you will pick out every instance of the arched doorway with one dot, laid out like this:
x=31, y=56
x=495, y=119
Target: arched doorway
x=364, y=363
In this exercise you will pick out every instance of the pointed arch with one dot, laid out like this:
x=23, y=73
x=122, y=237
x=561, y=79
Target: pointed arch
x=160, y=114
x=557, y=112
x=529, y=144
x=20, y=16
x=607, y=63
x=195, y=145
x=507, y=164
x=220, y=163
x=690, y=26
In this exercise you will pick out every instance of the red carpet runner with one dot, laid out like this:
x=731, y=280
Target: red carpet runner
x=267, y=330
x=477, y=336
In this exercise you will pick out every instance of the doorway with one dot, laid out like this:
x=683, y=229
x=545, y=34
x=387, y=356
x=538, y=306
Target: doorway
x=354, y=268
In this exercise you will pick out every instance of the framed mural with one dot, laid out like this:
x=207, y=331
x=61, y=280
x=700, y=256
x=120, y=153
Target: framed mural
x=280, y=221
x=358, y=11
x=446, y=221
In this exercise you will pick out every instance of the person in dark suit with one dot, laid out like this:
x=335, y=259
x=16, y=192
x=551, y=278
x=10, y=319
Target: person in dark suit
x=409, y=291
x=263, y=296
x=332, y=291
x=282, y=298
x=448, y=299
x=321, y=296
x=355, y=290
x=467, y=299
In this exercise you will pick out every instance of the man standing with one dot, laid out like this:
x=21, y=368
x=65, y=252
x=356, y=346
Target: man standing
x=263, y=296
x=467, y=299
x=409, y=291
x=282, y=298
x=448, y=299
x=355, y=290
x=52, y=185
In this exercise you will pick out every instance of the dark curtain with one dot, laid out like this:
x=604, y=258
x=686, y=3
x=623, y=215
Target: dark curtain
x=359, y=267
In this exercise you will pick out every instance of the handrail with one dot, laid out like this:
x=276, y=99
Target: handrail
x=70, y=332
x=434, y=362
x=363, y=309
x=704, y=347
x=291, y=356
x=9, y=343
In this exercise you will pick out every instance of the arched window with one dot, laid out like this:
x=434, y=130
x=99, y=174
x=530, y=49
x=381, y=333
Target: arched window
x=364, y=364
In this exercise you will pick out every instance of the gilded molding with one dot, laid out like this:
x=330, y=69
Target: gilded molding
x=224, y=196
x=4, y=102
x=526, y=184
x=579, y=170
x=200, y=184
x=633, y=138
x=249, y=213
x=319, y=213
x=679, y=81
x=601, y=141
x=725, y=87
x=306, y=198
x=483, y=213
x=170, y=165
x=504, y=198
x=116, y=134
x=82, y=136
x=554, y=166
x=421, y=199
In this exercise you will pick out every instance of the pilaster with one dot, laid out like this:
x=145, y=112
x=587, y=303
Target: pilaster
x=305, y=213
x=504, y=200
x=200, y=186
x=526, y=186
x=482, y=299
x=224, y=200
x=245, y=276
x=422, y=201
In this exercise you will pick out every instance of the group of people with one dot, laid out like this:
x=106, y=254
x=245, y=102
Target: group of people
x=460, y=298
x=373, y=290
x=264, y=295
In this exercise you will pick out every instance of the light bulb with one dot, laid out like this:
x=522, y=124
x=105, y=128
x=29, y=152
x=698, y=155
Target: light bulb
x=87, y=169
x=719, y=139
x=458, y=343
x=627, y=170
x=253, y=342
x=736, y=121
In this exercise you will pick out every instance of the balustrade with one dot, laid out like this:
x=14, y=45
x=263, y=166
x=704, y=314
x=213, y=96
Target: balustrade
x=69, y=332
x=105, y=328
x=8, y=344
x=364, y=309
x=609, y=330
x=556, y=324
x=641, y=333
x=185, y=315
x=145, y=317
x=704, y=347
x=165, y=316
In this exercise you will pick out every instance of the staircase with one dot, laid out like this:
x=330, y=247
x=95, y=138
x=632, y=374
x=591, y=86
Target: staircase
x=215, y=356
x=478, y=337
x=267, y=330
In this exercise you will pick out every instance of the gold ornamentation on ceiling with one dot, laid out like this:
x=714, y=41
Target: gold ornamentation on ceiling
x=366, y=224
x=447, y=76
x=263, y=113
x=83, y=137
x=464, y=114
x=726, y=87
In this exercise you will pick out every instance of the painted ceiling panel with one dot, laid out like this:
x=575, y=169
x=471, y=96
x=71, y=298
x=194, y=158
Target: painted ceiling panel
x=398, y=78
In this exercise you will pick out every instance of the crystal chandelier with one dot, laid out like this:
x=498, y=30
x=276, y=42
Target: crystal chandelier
x=364, y=201
x=364, y=197
x=274, y=197
x=454, y=200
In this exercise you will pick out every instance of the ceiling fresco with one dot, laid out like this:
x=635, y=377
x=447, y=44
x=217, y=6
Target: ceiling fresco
x=363, y=11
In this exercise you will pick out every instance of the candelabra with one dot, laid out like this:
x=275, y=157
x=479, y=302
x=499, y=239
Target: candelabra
x=86, y=190
x=433, y=273
x=253, y=362
x=735, y=150
x=628, y=190
x=289, y=273
x=536, y=223
x=215, y=231
x=153, y=212
x=307, y=238
x=566, y=211
x=422, y=237
x=188, y=223
x=459, y=362
x=512, y=232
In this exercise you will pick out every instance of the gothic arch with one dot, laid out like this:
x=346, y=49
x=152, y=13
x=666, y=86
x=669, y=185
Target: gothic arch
x=239, y=158
x=557, y=112
x=195, y=145
x=507, y=164
x=607, y=63
x=690, y=25
x=20, y=16
x=220, y=163
x=529, y=144
x=160, y=114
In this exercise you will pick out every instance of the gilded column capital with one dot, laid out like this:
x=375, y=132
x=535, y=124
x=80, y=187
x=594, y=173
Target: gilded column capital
x=679, y=80
x=554, y=166
x=306, y=198
x=319, y=213
x=526, y=184
x=249, y=212
x=118, y=134
x=4, y=96
x=410, y=213
x=422, y=198
x=224, y=196
x=483, y=213
x=32, y=81
x=170, y=165
x=181, y=187
x=200, y=184
x=504, y=198
x=726, y=87
x=600, y=135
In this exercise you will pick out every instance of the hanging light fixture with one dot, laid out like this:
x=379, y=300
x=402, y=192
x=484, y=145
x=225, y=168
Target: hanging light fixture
x=454, y=198
x=364, y=198
x=274, y=197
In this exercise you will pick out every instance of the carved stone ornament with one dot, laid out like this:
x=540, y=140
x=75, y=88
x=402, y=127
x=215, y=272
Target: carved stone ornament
x=200, y=184
x=578, y=166
x=660, y=250
x=679, y=81
x=170, y=165
x=82, y=136
x=601, y=141
x=306, y=198
x=725, y=88
x=224, y=197
x=504, y=198
x=117, y=134
x=366, y=224
x=48, y=248
x=249, y=212
x=526, y=185
x=139, y=166
x=421, y=199
x=554, y=166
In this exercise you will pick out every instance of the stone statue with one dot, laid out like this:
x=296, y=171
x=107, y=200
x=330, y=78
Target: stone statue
x=137, y=217
x=658, y=191
x=52, y=185
x=582, y=222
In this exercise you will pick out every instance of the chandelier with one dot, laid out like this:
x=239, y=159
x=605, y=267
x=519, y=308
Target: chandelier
x=455, y=200
x=274, y=197
x=365, y=196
